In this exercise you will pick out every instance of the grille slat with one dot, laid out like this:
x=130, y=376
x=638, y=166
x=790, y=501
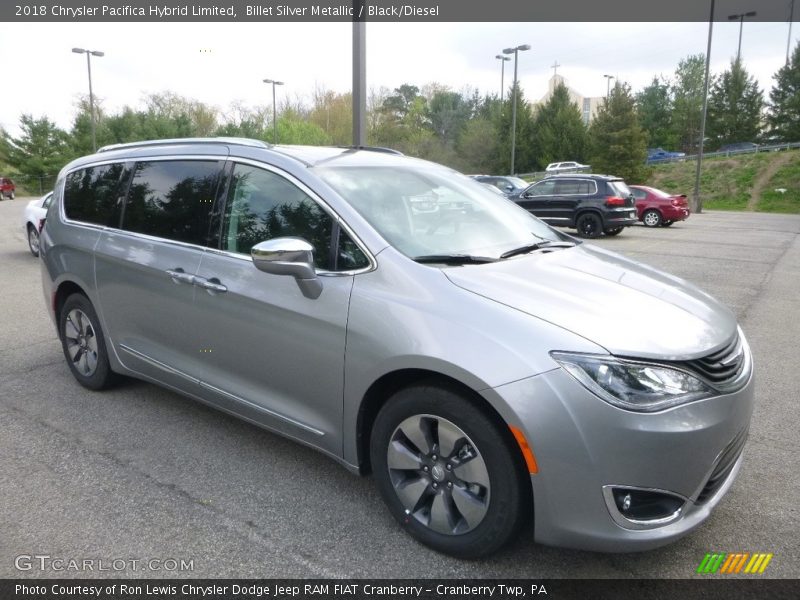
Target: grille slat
x=723, y=366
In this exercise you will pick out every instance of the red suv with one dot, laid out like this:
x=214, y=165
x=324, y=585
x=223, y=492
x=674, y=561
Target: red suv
x=7, y=188
x=656, y=208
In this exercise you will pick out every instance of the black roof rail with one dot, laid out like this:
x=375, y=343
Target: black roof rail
x=172, y=141
x=375, y=149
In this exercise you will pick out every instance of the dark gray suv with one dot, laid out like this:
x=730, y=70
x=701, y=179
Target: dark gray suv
x=592, y=204
x=405, y=320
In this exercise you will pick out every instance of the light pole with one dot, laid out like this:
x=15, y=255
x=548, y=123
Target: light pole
x=504, y=59
x=89, y=54
x=741, y=17
x=789, y=40
x=608, y=85
x=274, y=110
x=697, y=205
x=515, y=52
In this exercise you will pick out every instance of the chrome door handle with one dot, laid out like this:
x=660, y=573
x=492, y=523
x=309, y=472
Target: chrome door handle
x=180, y=276
x=213, y=286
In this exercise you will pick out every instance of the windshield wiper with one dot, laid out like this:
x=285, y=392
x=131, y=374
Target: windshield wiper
x=453, y=259
x=536, y=246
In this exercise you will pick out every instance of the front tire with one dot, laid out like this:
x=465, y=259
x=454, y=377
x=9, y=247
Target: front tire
x=651, y=218
x=447, y=471
x=83, y=343
x=33, y=240
x=589, y=225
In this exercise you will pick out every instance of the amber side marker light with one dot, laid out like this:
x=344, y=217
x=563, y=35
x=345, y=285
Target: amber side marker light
x=527, y=452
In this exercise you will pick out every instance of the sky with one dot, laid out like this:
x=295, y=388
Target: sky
x=222, y=63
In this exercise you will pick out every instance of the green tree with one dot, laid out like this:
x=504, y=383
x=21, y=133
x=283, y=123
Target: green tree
x=477, y=146
x=525, y=153
x=734, y=108
x=617, y=142
x=41, y=149
x=447, y=113
x=558, y=129
x=687, y=104
x=295, y=128
x=783, y=118
x=655, y=107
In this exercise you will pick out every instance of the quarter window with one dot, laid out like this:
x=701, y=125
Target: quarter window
x=90, y=194
x=172, y=199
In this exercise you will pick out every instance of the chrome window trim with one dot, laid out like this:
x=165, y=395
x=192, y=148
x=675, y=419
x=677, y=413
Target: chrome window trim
x=373, y=264
x=99, y=163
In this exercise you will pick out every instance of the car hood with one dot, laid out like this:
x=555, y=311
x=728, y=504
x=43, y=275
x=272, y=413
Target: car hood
x=628, y=308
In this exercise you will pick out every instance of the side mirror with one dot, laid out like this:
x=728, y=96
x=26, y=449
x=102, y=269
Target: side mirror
x=509, y=187
x=289, y=256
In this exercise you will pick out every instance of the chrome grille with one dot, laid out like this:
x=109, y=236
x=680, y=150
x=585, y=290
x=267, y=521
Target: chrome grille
x=723, y=368
x=725, y=463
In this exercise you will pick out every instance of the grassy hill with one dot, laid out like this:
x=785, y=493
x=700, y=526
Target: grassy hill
x=744, y=182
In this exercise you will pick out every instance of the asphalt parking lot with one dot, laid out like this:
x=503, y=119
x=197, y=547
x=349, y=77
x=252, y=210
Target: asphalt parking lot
x=142, y=473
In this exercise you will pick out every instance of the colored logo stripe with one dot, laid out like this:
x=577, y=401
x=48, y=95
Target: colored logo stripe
x=723, y=562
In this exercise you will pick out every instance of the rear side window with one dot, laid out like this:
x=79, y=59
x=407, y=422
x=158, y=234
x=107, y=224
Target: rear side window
x=573, y=187
x=172, y=199
x=619, y=188
x=90, y=194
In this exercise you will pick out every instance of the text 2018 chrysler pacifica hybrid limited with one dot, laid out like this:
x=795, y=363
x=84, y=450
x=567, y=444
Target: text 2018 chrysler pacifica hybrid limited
x=399, y=317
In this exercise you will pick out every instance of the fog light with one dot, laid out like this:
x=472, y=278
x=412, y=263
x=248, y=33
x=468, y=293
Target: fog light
x=645, y=505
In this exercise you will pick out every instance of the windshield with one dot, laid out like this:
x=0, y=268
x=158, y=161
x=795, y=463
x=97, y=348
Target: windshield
x=518, y=183
x=431, y=212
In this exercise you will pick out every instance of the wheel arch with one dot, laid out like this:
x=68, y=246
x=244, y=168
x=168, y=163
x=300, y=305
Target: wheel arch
x=64, y=290
x=388, y=384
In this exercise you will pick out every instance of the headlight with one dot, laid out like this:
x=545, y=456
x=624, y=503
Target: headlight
x=636, y=386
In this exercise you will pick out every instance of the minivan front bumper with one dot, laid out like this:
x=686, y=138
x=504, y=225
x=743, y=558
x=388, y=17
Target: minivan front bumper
x=587, y=450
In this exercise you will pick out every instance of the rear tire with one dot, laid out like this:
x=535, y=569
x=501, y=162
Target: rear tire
x=589, y=225
x=447, y=471
x=33, y=240
x=651, y=218
x=613, y=231
x=667, y=223
x=83, y=343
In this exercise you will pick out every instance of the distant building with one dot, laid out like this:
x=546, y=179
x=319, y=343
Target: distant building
x=587, y=105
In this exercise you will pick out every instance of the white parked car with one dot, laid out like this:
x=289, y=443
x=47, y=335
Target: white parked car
x=33, y=219
x=566, y=167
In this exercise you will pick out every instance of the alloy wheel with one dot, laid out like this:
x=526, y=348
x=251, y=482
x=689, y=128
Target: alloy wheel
x=438, y=474
x=81, y=342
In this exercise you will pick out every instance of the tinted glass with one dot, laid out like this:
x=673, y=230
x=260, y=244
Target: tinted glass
x=263, y=205
x=90, y=194
x=543, y=188
x=639, y=194
x=172, y=199
x=574, y=186
x=619, y=188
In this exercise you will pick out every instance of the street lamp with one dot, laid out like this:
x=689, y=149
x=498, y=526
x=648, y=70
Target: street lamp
x=502, y=72
x=608, y=85
x=515, y=52
x=274, y=111
x=741, y=17
x=89, y=54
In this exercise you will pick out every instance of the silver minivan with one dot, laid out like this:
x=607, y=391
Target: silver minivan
x=487, y=369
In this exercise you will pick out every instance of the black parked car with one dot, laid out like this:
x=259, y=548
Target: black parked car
x=592, y=204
